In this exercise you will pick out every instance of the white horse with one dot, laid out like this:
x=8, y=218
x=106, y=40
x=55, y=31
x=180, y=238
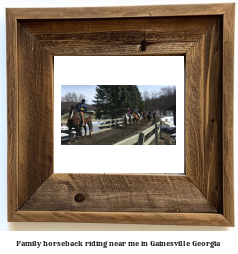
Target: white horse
x=127, y=120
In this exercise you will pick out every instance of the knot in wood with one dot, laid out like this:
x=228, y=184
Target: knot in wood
x=143, y=45
x=79, y=198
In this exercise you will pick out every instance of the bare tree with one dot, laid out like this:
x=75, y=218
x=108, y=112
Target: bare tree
x=146, y=97
x=74, y=97
x=70, y=99
x=81, y=96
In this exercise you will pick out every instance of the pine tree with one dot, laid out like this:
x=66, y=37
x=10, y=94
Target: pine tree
x=134, y=98
x=110, y=100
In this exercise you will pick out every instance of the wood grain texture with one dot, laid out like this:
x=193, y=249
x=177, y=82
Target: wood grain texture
x=35, y=109
x=174, y=36
x=114, y=193
x=192, y=219
x=12, y=114
x=227, y=113
x=49, y=29
x=120, y=12
x=203, y=119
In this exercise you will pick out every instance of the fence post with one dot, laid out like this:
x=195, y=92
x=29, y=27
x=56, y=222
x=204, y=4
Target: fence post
x=160, y=127
x=141, y=138
x=156, y=134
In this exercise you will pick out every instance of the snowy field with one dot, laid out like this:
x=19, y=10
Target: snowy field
x=169, y=120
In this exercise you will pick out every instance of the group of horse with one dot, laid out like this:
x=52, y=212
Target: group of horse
x=134, y=118
x=75, y=121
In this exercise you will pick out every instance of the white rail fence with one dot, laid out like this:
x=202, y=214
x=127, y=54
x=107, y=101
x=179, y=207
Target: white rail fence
x=112, y=123
x=108, y=123
x=140, y=138
x=136, y=139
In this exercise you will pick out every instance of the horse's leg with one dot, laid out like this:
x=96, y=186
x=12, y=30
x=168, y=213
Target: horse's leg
x=85, y=130
x=69, y=135
x=77, y=132
x=81, y=131
x=90, y=129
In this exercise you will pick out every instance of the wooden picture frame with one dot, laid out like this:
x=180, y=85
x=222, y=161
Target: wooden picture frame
x=204, y=34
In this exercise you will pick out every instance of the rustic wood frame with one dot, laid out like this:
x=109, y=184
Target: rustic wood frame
x=204, y=34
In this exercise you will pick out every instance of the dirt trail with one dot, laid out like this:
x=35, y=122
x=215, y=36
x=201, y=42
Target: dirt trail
x=112, y=136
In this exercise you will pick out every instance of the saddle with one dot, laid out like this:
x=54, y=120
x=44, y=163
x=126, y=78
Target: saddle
x=79, y=116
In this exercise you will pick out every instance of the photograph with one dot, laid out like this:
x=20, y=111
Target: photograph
x=118, y=115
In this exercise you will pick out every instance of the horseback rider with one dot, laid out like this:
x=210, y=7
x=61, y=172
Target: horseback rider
x=154, y=118
x=136, y=111
x=128, y=112
x=82, y=108
x=149, y=115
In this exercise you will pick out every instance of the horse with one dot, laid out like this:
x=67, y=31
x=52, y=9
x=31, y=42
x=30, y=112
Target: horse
x=136, y=118
x=76, y=122
x=149, y=117
x=154, y=121
x=77, y=119
x=144, y=115
x=71, y=125
x=127, y=120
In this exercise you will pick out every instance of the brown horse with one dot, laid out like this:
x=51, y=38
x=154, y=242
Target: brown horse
x=136, y=118
x=71, y=125
x=144, y=116
x=77, y=119
x=76, y=122
x=154, y=120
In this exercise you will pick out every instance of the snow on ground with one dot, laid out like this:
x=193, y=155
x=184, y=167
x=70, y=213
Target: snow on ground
x=65, y=136
x=168, y=119
x=170, y=122
x=64, y=128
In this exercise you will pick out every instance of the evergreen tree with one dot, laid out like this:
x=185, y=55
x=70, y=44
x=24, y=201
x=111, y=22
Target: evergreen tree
x=110, y=100
x=134, y=98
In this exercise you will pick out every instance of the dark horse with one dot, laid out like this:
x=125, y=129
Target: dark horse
x=76, y=122
x=144, y=115
x=149, y=117
x=154, y=120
